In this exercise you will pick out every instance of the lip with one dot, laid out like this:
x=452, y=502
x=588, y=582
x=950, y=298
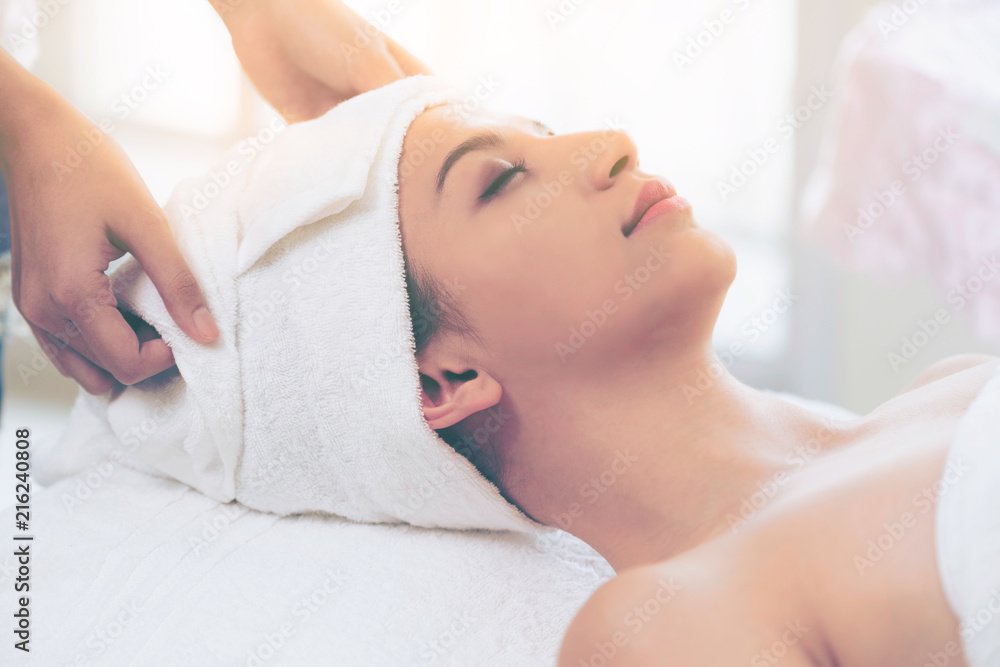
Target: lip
x=652, y=192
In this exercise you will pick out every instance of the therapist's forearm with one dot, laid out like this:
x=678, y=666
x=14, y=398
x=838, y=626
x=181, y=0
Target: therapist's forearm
x=25, y=102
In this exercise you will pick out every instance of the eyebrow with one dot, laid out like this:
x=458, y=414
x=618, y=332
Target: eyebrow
x=482, y=141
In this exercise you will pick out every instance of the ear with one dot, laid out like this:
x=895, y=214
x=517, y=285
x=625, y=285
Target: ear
x=450, y=394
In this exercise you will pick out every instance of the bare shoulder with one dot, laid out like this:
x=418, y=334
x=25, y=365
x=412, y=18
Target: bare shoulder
x=610, y=624
x=680, y=612
x=949, y=366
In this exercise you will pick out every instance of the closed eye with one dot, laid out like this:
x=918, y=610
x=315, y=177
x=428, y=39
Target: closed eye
x=500, y=181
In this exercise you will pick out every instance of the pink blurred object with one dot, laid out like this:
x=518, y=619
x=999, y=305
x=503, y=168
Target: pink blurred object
x=908, y=177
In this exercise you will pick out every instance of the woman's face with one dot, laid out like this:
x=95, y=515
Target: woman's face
x=525, y=228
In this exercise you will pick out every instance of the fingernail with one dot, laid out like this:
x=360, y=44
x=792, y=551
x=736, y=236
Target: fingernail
x=206, y=325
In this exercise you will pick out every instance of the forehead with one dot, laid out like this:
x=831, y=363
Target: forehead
x=457, y=121
x=440, y=128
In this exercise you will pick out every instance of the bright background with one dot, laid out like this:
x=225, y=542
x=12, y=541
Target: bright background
x=574, y=64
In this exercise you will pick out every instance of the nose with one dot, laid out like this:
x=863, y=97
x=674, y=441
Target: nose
x=603, y=156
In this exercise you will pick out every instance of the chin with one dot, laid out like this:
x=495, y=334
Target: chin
x=689, y=295
x=704, y=261
x=724, y=257
x=697, y=251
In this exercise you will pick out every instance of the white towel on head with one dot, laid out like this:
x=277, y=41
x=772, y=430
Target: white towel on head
x=309, y=401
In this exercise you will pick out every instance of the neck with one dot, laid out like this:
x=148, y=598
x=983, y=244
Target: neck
x=662, y=459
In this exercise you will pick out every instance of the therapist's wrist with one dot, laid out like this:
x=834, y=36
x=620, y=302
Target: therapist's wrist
x=232, y=12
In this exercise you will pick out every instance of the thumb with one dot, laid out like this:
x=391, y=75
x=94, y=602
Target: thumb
x=154, y=246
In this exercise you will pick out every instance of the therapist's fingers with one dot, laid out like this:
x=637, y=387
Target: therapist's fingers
x=51, y=348
x=150, y=241
x=69, y=333
x=118, y=349
x=70, y=364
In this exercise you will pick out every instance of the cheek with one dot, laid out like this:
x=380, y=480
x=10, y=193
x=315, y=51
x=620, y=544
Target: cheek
x=534, y=285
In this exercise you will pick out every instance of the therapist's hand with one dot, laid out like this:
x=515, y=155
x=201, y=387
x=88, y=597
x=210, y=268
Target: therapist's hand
x=70, y=217
x=307, y=56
